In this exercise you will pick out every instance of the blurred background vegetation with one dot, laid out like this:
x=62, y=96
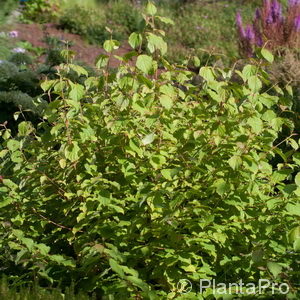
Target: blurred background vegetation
x=202, y=27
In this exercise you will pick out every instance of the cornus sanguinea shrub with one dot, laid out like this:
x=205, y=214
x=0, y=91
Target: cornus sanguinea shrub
x=272, y=27
x=138, y=179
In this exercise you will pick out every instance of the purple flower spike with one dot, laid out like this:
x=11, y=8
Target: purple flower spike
x=257, y=14
x=276, y=11
x=239, y=20
x=250, y=35
x=297, y=23
x=239, y=23
x=259, y=41
x=269, y=19
x=293, y=3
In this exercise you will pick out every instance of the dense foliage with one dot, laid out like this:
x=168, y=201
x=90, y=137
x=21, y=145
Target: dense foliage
x=138, y=178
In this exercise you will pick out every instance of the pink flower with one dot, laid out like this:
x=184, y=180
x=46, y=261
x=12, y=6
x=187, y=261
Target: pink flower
x=297, y=23
x=13, y=34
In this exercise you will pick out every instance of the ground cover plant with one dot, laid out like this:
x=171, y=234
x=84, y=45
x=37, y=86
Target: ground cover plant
x=138, y=178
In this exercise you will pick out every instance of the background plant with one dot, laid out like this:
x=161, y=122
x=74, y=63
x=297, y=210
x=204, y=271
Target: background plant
x=20, y=74
x=271, y=27
x=41, y=11
x=7, y=6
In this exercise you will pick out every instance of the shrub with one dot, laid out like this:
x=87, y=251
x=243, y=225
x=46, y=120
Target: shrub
x=91, y=23
x=41, y=11
x=127, y=18
x=141, y=179
x=7, y=6
x=84, y=22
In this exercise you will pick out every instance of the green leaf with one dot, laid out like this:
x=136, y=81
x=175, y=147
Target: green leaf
x=294, y=234
x=157, y=161
x=169, y=173
x=44, y=249
x=5, y=202
x=221, y=186
x=24, y=128
x=48, y=84
x=111, y=45
x=72, y=152
x=151, y=8
x=267, y=55
x=207, y=73
x=138, y=282
x=293, y=143
x=235, y=161
x=102, y=61
x=79, y=70
x=10, y=184
x=144, y=63
x=116, y=267
x=77, y=92
x=256, y=124
x=156, y=43
x=296, y=245
x=3, y=153
x=62, y=163
x=254, y=83
x=269, y=115
x=135, y=148
x=249, y=71
x=135, y=40
x=165, y=20
x=189, y=268
x=61, y=260
x=148, y=139
x=296, y=158
x=29, y=243
x=17, y=157
x=13, y=145
x=297, y=179
x=293, y=209
x=274, y=268
x=166, y=101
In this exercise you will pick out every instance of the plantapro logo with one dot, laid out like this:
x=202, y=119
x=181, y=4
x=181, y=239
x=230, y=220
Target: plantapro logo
x=184, y=286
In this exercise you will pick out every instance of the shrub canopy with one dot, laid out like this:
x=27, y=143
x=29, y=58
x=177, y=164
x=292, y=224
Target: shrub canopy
x=137, y=179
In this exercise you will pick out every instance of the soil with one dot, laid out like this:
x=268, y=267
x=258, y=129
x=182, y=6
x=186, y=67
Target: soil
x=35, y=33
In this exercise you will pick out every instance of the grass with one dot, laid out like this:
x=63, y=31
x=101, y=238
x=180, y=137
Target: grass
x=9, y=292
